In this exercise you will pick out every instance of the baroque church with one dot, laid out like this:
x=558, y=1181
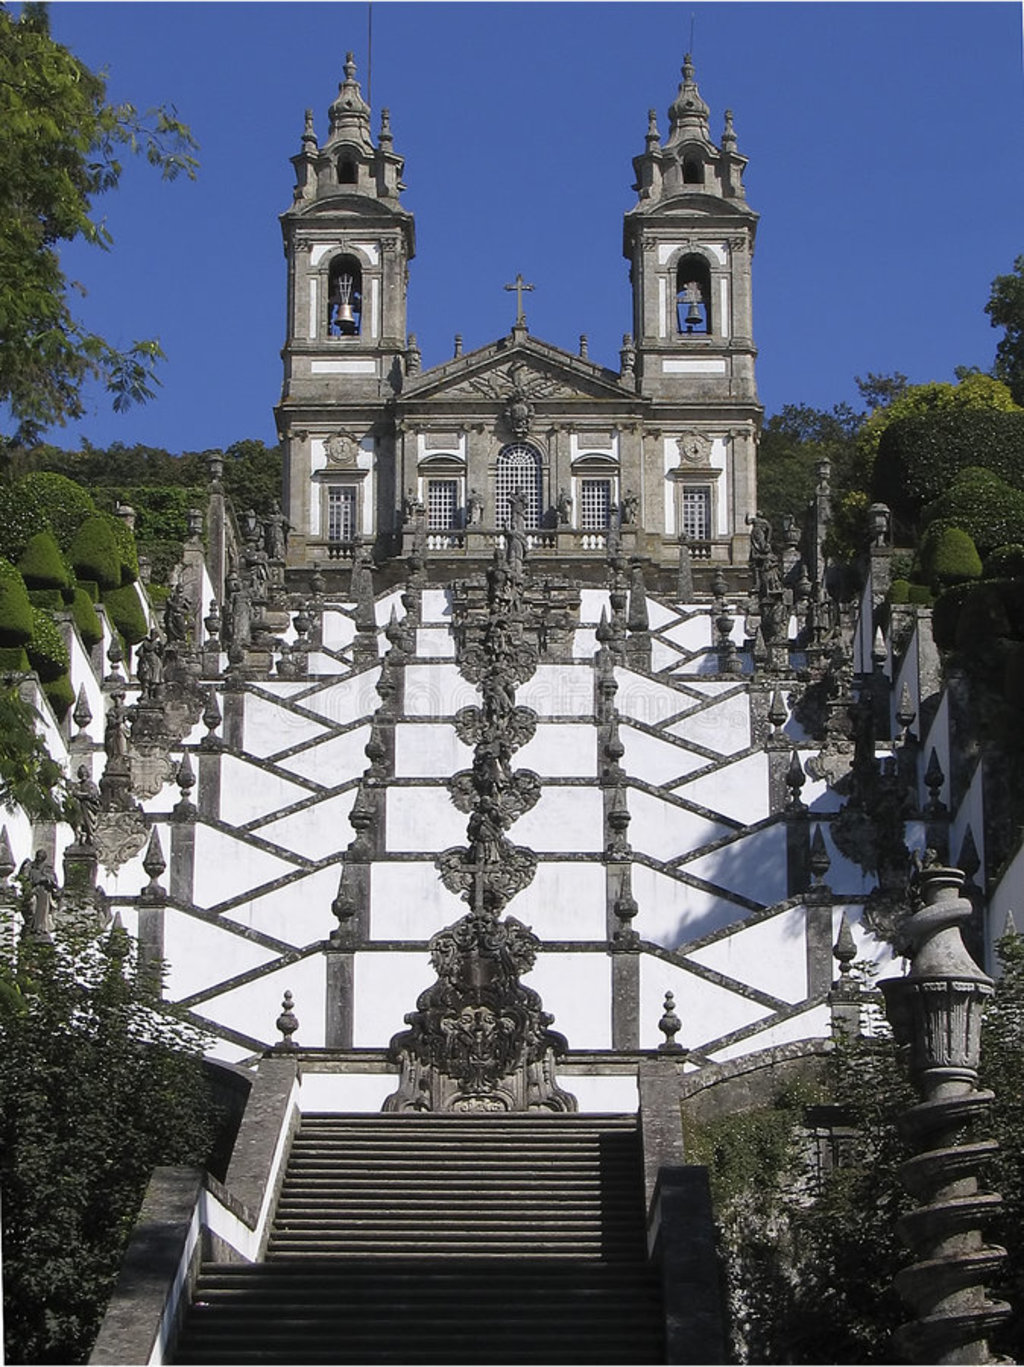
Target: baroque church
x=543, y=796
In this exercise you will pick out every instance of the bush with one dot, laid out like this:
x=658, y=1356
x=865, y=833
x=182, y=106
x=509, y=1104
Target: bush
x=162, y=557
x=42, y=565
x=161, y=510
x=946, y=614
x=51, y=599
x=15, y=608
x=41, y=501
x=60, y=694
x=1005, y=562
x=125, y=543
x=46, y=650
x=920, y=457
x=86, y=619
x=125, y=612
x=90, y=588
x=13, y=660
x=948, y=556
x=95, y=553
x=983, y=620
x=920, y=595
x=982, y=504
x=899, y=591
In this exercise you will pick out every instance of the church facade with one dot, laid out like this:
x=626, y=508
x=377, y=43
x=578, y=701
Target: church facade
x=662, y=447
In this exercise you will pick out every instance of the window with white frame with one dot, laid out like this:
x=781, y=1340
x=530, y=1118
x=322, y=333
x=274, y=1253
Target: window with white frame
x=341, y=512
x=442, y=504
x=519, y=468
x=595, y=504
x=696, y=511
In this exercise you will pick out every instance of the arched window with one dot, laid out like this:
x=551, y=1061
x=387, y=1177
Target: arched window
x=348, y=173
x=693, y=171
x=344, y=297
x=519, y=467
x=693, y=295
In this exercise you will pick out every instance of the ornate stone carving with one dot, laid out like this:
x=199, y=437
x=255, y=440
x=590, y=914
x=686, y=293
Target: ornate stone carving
x=341, y=448
x=479, y=1040
x=120, y=835
x=694, y=450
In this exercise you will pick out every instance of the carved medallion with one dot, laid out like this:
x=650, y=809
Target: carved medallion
x=341, y=448
x=120, y=836
x=694, y=450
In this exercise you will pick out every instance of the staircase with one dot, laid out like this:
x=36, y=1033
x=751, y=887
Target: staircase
x=444, y=1239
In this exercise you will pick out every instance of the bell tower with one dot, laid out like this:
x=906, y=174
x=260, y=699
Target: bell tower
x=689, y=241
x=348, y=242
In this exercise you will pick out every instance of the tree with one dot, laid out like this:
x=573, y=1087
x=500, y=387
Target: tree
x=98, y=1084
x=61, y=149
x=1005, y=307
x=29, y=778
x=880, y=390
x=793, y=442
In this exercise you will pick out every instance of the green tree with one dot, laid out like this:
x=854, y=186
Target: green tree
x=98, y=1084
x=61, y=148
x=1005, y=307
x=29, y=778
x=793, y=442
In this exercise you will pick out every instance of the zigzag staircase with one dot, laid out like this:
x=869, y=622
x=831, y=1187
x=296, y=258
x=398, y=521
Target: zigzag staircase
x=444, y=1239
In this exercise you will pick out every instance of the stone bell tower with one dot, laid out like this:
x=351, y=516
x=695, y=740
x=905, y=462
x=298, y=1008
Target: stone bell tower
x=348, y=242
x=690, y=241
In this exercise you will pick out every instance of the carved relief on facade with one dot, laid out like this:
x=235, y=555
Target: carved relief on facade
x=341, y=448
x=694, y=451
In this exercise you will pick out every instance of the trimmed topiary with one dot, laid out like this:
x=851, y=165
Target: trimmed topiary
x=86, y=619
x=46, y=650
x=41, y=501
x=899, y=591
x=920, y=595
x=125, y=612
x=95, y=553
x=126, y=549
x=60, y=694
x=1005, y=562
x=948, y=556
x=13, y=660
x=42, y=565
x=983, y=505
x=946, y=614
x=50, y=599
x=15, y=609
x=90, y=587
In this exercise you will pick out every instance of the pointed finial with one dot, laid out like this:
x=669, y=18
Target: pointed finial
x=969, y=859
x=385, y=127
x=1009, y=925
x=688, y=67
x=845, y=950
x=82, y=715
x=154, y=863
x=309, y=132
x=652, y=126
x=818, y=860
x=728, y=133
x=795, y=780
x=350, y=66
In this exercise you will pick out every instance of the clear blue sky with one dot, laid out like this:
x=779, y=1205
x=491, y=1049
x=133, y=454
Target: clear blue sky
x=886, y=146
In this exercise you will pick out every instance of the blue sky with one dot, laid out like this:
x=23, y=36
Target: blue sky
x=886, y=146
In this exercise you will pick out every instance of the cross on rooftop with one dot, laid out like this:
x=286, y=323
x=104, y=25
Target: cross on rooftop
x=519, y=285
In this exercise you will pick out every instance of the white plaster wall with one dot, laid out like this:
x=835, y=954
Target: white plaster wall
x=345, y=1092
x=385, y=987
x=564, y=901
x=1006, y=900
x=435, y=643
x=348, y=699
x=338, y=630
x=664, y=656
x=657, y=761
x=694, y=633
x=248, y=791
x=780, y=941
x=429, y=750
x=811, y=1024
x=254, y=1007
x=81, y=674
x=436, y=690
x=724, y=728
x=601, y=1095
x=269, y=729
x=315, y=832
x=753, y=866
x=560, y=750
x=938, y=739
x=564, y=819
x=672, y=913
x=908, y=674
x=592, y=603
x=647, y=701
x=201, y=955
x=562, y=690
x=869, y=948
x=666, y=831
x=422, y=818
x=299, y=912
x=435, y=606
x=844, y=877
x=584, y=643
x=332, y=761
x=739, y=790
x=408, y=901
x=576, y=989
x=227, y=867
x=707, y=1011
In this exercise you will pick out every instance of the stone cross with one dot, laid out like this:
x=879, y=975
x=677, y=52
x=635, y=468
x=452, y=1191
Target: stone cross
x=519, y=285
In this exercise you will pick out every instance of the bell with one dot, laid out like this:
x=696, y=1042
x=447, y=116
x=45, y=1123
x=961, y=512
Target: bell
x=344, y=315
x=694, y=317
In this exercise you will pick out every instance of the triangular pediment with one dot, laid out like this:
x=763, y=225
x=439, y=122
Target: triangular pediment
x=542, y=371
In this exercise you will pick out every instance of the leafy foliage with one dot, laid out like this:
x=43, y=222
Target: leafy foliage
x=42, y=565
x=1005, y=562
x=96, y=554
x=86, y=619
x=125, y=612
x=16, y=619
x=98, y=1084
x=793, y=443
x=29, y=778
x=61, y=149
x=948, y=556
x=125, y=543
x=1005, y=307
x=46, y=649
x=982, y=505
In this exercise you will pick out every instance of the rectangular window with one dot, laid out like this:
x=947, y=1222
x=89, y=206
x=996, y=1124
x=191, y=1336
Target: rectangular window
x=442, y=504
x=697, y=512
x=595, y=504
x=341, y=512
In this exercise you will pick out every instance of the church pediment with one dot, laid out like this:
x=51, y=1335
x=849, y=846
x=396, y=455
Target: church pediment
x=535, y=369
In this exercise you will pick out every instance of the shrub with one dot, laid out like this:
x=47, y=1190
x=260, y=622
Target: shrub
x=60, y=694
x=899, y=591
x=51, y=599
x=90, y=588
x=162, y=557
x=983, y=619
x=125, y=543
x=43, y=500
x=920, y=595
x=42, y=565
x=948, y=556
x=46, y=649
x=920, y=457
x=982, y=504
x=1005, y=562
x=946, y=614
x=14, y=660
x=161, y=510
x=86, y=619
x=15, y=608
x=125, y=612
x=95, y=554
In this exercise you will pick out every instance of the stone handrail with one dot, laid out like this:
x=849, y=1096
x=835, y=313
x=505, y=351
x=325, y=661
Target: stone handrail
x=188, y=1215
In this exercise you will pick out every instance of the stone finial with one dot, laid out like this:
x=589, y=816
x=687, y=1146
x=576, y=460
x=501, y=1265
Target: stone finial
x=670, y=1025
x=154, y=863
x=969, y=860
x=211, y=719
x=933, y=781
x=905, y=710
x=778, y=714
x=184, y=809
x=287, y=1022
x=115, y=658
x=818, y=860
x=82, y=715
x=625, y=909
x=308, y=131
x=845, y=950
x=795, y=780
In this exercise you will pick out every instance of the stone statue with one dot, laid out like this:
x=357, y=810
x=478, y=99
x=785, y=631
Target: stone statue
x=238, y=618
x=115, y=735
x=474, y=508
x=276, y=529
x=40, y=880
x=515, y=535
x=411, y=504
x=630, y=508
x=86, y=807
x=177, y=612
x=564, y=506
x=150, y=665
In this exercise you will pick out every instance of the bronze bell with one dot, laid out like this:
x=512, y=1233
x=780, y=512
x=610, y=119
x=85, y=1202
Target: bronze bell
x=694, y=318
x=344, y=315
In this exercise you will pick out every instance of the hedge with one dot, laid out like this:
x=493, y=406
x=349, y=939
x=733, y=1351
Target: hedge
x=46, y=649
x=38, y=502
x=42, y=565
x=948, y=556
x=86, y=619
x=920, y=457
x=125, y=543
x=15, y=609
x=982, y=504
x=95, y=553
x=14, y=660
x=51, y=599
x=60, y=694
x=1005, y=562
x=125, y=612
